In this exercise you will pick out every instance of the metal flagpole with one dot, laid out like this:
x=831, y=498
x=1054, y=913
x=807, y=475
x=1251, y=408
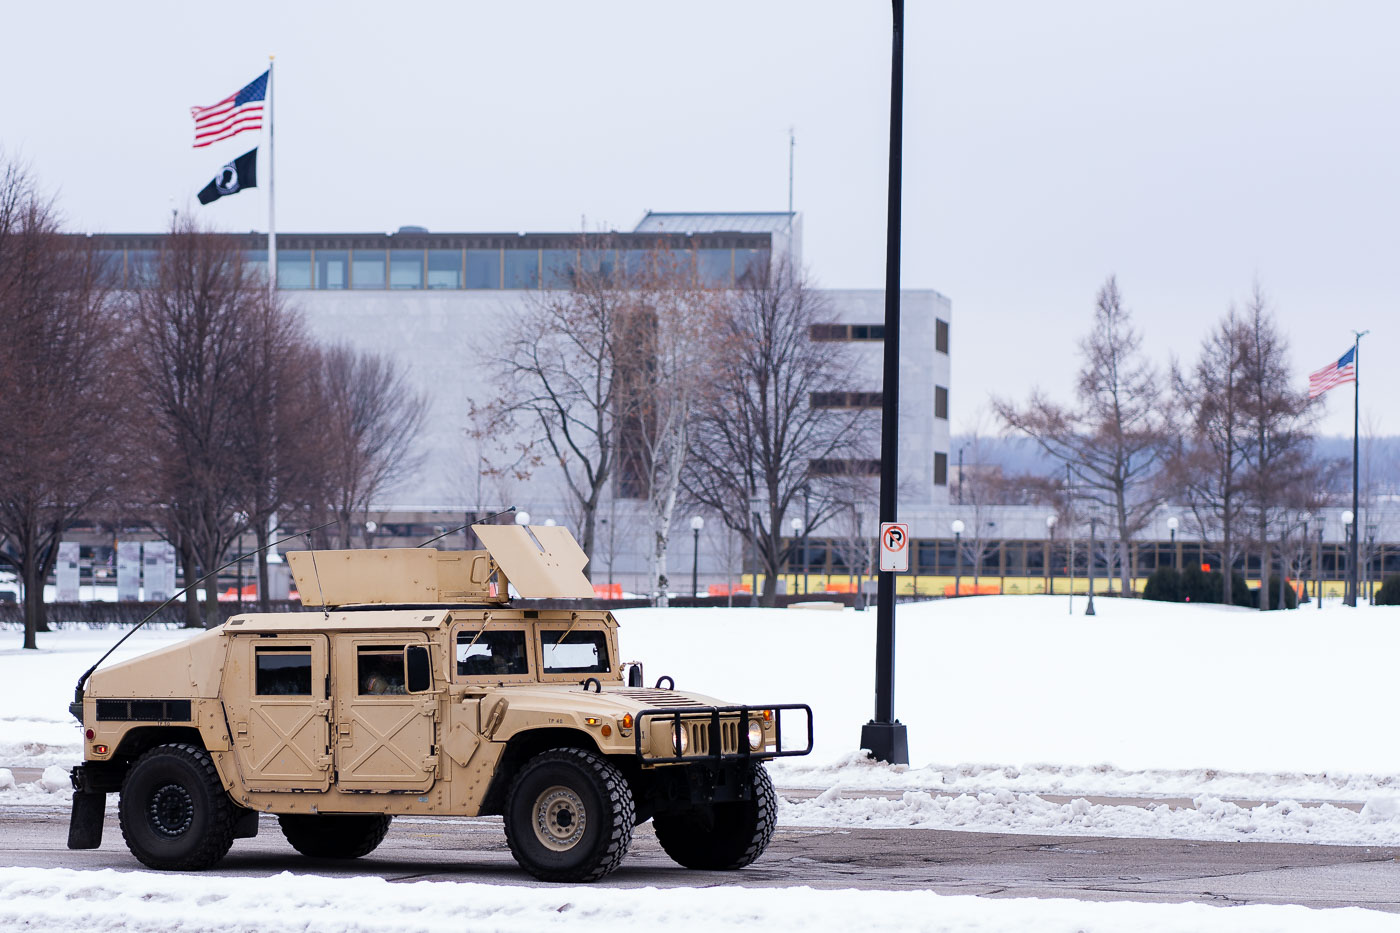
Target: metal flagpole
x=1355, y=469
x=271, y=183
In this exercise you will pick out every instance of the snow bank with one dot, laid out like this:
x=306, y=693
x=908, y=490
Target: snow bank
x=43, y=900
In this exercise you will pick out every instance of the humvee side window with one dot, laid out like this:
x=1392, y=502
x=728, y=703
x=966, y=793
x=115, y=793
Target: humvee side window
x=283, y=671
x=581, y=652
x=379, y=669
x=500, y=652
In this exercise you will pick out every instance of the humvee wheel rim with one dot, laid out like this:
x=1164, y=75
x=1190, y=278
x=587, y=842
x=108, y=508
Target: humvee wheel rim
x=560, y=818
x=171, y=810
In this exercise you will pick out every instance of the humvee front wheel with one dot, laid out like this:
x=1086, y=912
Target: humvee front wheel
x=174, y=812
x=721, y=836
x=569, y=816
x=335, y=835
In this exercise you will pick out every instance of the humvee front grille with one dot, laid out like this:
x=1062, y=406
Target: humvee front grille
x=143, y=710
x=729, y=723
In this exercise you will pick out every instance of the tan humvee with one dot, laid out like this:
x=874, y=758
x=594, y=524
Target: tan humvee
x=418, y=689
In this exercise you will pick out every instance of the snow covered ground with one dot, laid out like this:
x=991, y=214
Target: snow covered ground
x=54, y=900
x=1223, y=719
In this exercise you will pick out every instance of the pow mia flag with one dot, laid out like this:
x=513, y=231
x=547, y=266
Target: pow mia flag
x=241, y=173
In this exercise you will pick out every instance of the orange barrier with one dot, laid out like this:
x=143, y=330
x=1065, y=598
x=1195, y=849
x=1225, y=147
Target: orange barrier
x=607, y=590
x=724, y=589
x=967, y=589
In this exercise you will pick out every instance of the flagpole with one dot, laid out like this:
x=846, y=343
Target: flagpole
x=271, y=183
x=1354, y=555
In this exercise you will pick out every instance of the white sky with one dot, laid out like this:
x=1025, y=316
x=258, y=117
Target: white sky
x=1189, y=147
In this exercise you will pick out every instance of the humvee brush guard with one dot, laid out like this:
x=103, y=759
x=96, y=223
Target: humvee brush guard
x=419, y=689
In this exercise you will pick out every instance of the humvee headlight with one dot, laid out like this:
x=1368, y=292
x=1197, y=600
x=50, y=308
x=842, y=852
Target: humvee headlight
x=755, y=734
x=680, y=740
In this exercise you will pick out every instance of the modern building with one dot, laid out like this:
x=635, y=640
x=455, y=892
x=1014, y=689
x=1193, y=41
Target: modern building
x=435, y=302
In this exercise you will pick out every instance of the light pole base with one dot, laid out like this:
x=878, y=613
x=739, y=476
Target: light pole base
x=887, y=741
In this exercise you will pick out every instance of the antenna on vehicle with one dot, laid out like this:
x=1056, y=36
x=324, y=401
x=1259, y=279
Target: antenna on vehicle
x=453, y=531
x=325, y=610
x=78, y=692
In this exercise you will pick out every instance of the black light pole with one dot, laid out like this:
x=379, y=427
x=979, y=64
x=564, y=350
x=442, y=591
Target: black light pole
x=1172, y=524
x=1307, y=540
x=957, y=556
x=1349, y=588
x=884, y=735
x=1093, y=520
x=696, y=524
x=1317, y=565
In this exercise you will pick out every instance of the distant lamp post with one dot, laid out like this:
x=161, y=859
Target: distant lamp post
x=696, y=524
x=370, y=528
x=522, y=518
x=1317, y=566
x=1348, y=517
x=1173, y=524
x=758, y=504
x=958, y=527
x=1305, y=518
x=1050, y=554
x=797, y=533
x=1093, y=522
x=549, y=523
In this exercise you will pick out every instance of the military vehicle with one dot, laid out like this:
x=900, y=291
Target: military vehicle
x=418, y=688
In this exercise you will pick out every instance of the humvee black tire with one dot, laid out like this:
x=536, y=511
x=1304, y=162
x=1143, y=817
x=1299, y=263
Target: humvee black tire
x=174, y=812
x=721, y=836
x=569, y=816
x=335, y=835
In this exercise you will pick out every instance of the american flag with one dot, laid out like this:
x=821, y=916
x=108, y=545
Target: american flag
x=1333, y=374
x=232, y=115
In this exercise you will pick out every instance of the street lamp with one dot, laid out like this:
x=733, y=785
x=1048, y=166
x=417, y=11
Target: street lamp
x=1350, y=589
x=1050, y=555
x=797, y=533
x=1172, y=524
x=1317, y=566
x=1305, y=518
x=758, y=504
x=696, y=524
x=522, y=518
x=958, y=527
x=1093, y=522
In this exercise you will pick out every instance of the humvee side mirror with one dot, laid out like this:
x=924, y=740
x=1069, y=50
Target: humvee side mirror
x=418, y=669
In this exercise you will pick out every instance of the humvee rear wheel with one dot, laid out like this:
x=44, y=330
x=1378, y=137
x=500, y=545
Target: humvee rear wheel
x=569, y=816
x=174, y=812
x=335, y=835
x=721, y=836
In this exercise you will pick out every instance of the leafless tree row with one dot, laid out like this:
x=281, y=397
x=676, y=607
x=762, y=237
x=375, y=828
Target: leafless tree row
x=639, y=381
x=196, y=405
x=1229, y=437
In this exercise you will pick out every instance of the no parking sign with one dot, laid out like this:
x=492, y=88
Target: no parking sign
x=894, y=547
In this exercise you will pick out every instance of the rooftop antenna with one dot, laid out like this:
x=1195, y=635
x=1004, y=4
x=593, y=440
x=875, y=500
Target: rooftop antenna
x=792, y=154
x=453, y=531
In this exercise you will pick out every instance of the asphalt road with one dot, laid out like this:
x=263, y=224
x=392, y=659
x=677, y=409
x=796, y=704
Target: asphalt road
x=986, y=864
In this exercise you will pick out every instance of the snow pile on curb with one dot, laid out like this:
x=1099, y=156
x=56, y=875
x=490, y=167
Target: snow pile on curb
x=40, y=901
x=53, y=786
x=1003, y=811
x=858, y=770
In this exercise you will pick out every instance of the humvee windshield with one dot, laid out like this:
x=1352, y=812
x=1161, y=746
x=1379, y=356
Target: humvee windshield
x=580, y=652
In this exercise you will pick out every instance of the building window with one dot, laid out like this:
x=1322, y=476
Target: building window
x=847, y=399
x=940, y=469
x=332, y=268
x=367, y=268
x=940, y=340
x=142, y=268
x=522, y=268
x=108, y=265
x=255, y=264
x=716, y=267
x=847, y=332
x=405, y=268
x=444, y=268
x=844, y=466
x=749, y=263
x=940, y=402
x=558, y=269
x=294, y=268
x=483, y=268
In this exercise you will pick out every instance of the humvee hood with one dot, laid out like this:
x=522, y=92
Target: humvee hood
x=614, y=700
x=189, y=669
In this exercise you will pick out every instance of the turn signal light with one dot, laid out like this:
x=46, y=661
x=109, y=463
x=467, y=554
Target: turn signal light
x=591, y=721
x=768, y=715
x=627, y=721
x=606, y=730
x=100, y=749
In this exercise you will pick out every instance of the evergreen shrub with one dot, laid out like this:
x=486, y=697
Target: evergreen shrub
x=1389, y=594
x=1164, y=586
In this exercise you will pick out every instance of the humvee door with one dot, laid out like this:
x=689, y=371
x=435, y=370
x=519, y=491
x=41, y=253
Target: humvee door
x=275, y=698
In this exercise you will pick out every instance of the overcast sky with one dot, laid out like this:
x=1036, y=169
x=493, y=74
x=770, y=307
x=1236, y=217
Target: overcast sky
x=1188, y=147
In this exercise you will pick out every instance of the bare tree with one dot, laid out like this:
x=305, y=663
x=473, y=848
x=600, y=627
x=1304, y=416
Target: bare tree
x=1279, y=419
x=758, y=433
x=1113, y=438
x=370, y=418
x=563, y=366
x=193, y=348
x=1207, y=462
x=61, y=401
